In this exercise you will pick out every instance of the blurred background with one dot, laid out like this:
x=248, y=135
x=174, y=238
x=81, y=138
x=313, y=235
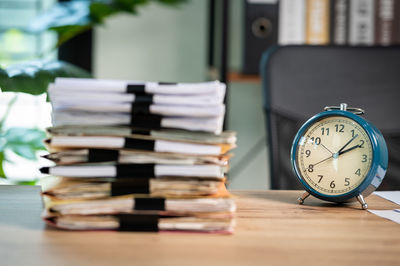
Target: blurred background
x=158, y=43
x=323, y=51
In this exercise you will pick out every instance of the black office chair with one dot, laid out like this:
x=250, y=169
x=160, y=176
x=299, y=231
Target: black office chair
x=299, y=81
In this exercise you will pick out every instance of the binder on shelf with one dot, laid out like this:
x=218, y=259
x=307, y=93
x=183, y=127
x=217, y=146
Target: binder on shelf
x=292, y=22
x=260, y=32
x=317, y=22
x=361, y=22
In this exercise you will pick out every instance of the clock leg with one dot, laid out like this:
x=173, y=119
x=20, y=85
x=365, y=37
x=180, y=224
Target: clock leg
x=303, y=197
x=361, y=200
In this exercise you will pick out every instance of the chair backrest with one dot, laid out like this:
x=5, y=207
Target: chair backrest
x=299, y=81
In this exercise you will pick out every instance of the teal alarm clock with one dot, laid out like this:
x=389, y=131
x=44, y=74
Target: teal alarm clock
x=339, y=156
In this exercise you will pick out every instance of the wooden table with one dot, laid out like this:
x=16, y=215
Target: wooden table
x=271, y=229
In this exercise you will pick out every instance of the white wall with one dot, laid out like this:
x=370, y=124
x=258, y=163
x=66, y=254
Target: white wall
x=162, y=43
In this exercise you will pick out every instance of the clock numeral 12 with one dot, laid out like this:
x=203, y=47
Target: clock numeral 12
x=339, y=128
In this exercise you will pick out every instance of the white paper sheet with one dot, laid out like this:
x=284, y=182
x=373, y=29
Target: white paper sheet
x=119, y=142
x=157, y=109
x=119, y=86
x=393, y=215
x=393, y=196
x=97, y=171
x=60, y=96
x=208, y=124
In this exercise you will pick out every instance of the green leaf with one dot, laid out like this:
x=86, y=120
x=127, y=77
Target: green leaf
x=25, y=142
x=2, y=174
x=68, y=32
x=24, y=150
x=99, y=11
x=27, y=183
x=61, y=14
x=68, y=19
x=33, y=77
x=172, y=3
x=130, y=6
x=19, y=135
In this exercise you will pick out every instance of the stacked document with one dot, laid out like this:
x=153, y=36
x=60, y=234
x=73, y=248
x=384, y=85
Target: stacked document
x=189, y=106
x=138, y=156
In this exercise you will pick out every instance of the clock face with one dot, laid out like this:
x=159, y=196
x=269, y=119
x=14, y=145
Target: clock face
x=334, y=155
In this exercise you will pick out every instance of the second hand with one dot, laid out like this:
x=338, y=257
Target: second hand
x=327, y=149
x=322, y=160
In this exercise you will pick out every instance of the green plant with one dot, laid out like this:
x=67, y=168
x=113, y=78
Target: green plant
x=67, y=19
x=72, y=18
x=24, y=142
x=33, y=78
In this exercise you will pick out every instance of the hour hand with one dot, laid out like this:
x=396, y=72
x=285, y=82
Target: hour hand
x=345, y=145
x=349, y=149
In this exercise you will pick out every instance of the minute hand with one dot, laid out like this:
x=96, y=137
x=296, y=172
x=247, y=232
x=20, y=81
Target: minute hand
x=345, y=145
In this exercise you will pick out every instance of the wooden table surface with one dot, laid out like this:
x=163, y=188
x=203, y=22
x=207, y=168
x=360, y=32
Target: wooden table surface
x=271, y=230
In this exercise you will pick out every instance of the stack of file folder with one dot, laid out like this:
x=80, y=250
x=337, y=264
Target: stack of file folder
x=135, y=156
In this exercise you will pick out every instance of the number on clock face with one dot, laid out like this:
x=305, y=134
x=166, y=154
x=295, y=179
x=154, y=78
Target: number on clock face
x=334, y=155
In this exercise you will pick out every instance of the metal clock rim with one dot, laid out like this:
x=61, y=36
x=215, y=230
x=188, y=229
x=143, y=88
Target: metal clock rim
x=371, y=133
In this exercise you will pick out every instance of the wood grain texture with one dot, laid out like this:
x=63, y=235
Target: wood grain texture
x=271, y=230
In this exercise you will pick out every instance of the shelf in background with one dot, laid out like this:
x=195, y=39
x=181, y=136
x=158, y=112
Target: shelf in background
x=238, y=77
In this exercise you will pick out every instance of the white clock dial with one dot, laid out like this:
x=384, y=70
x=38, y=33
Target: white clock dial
x=334, y=155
